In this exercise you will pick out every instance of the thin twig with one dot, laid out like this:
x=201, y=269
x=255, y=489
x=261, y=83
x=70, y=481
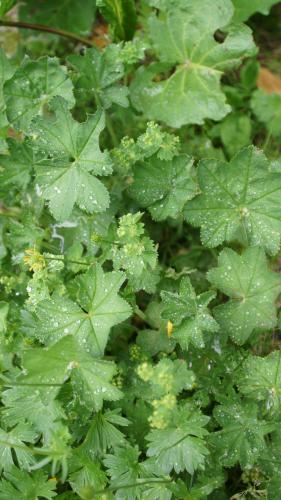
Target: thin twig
x=48, y=29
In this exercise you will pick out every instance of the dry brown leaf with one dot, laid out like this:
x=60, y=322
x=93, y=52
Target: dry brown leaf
x=269, y=82
x=100, y=36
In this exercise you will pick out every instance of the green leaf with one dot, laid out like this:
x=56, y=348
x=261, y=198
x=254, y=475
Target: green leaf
x=157, y=490
x=15, y=168
x=33, y=86
x=252, y=288
x=242, y=436
x=167, y=5
x=19, y=485
x=189, y=314
x=249, y=75
x=121, y=15
x=67, y=15
x=103, y=433
x=127, y=474
x=12, y=445
x=124, y=469
x=181, y=445
x=90, y=377
x=124, y=372
x=163, y=186
x=22, y=235
x=99, y=308
x=274, y=488
x=238, y=200
x=244, y=9
x=235, y=132
x=269, y=461
x=6, y=5
x=154, y=341
x=68, y=156
x=260, y=379
x=23, y=405
x=184, y=42
x=99, y=74
x=85, y=475
x=267, y=108
x=6, y=72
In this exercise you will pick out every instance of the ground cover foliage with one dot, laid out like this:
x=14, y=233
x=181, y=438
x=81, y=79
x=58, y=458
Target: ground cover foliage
x=140, y=225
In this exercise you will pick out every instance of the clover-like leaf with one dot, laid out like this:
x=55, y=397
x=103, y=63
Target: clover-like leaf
x=163, y=186
x=185, y=86
x=99, y=308
x=181, y=445
x=239, y=200
x=32, y=86
x=242, y=436
x=99, y=74
x=260, y=379
x=243, y=9
x=69, y=158
x=188, y=314
x=267, y=108
x=52, y=366
x=252, y=288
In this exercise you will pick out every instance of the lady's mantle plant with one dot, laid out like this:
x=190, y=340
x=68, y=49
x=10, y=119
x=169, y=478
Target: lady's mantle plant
x=140, y=229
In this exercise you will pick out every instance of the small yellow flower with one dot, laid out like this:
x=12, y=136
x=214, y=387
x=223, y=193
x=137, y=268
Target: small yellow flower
x=168, y=401
x=34, y=260
x=145, y=371
x=95, y=237
x=135, y=352
x=157, y=420
x=169, y=328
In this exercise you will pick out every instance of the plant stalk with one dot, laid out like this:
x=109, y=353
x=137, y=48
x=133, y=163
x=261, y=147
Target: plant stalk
x=48, y=29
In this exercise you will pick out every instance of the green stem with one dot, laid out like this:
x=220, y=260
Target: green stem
x=133, y=485
x=9, y=212
x=143, y=316
x=140, y=314
x=110, y=130
x=70, y=261
x=266, y=141
x=48, y=29
x=108, y=121
x=31, y=449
